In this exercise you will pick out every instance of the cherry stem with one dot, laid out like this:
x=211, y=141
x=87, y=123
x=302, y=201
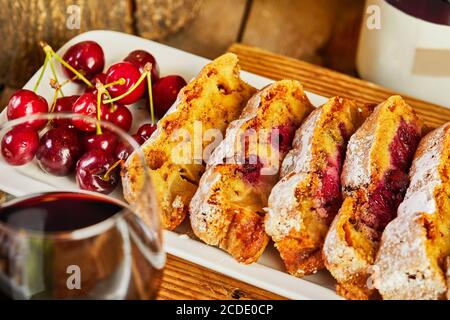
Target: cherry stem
x=66, y=82
x=121, y=81
x=108, y=172
x=44, y=67
x=143, y=75
x=99, y=101
x=52, y=67
x=55, y=85
x=104, y=86
x=55, y=98
x=150, y=95
x=112, y=103
x=101, y=86
x=49, y=50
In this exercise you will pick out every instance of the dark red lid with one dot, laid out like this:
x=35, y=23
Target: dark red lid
x=434, y=11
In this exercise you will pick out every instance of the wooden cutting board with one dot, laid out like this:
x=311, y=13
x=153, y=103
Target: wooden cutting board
x=185, y=280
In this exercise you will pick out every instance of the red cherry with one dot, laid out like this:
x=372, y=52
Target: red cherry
x=107, y=142
x=138, y=138
x=87, y=57
x=64, y=105
x=146, y=130
x=131, y=74
x=124, y=149
x=165, y=92
x=59, y=151
x=24, y=103
x=98, y=78
x=19, y=145
x=87, y=105
x=91, y=170
x=120, y=116
x=140, y=58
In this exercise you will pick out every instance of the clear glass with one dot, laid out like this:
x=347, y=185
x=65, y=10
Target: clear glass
x=118, y=257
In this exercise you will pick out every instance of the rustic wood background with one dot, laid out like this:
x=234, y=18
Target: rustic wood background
x=323, y=32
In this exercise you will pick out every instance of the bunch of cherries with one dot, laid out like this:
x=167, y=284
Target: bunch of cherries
x=62, y=146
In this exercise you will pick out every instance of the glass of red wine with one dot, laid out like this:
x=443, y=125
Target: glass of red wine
x=79, y=239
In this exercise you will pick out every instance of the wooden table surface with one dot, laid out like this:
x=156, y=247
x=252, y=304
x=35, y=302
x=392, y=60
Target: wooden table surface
x=320, y=31
x=185, y=280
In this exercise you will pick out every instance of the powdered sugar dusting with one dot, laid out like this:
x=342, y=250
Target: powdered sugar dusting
x=357, y=171
x=299, y=158
x=207, y=220
x=226, y=149
x=341, y=259
x=202, y=212
x=424, y=175
x=282, y=217
x=357, y=164
x=403, y=269
x=210, y=214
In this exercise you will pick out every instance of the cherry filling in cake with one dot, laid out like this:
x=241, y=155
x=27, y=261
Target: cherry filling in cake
x=251, y=170
x=344, y=133
x=386, y=198
x=403, y=146
x=330, y=190
x=281, y=138
x=388, y=194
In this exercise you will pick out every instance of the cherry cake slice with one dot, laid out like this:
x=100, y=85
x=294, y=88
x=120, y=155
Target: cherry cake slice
x=228, y=208
x=308, y=196
x=374, y=181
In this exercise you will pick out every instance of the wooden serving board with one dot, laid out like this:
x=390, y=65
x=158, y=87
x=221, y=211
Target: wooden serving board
x=185, y=280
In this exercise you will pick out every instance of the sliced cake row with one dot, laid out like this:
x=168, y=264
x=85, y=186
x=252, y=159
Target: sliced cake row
x=324, y=193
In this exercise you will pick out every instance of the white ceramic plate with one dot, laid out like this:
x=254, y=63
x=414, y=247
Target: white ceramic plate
x=269, y=272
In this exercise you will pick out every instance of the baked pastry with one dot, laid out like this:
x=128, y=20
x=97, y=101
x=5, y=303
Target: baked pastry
x=374, y=180
x=174, y=152
x=307, y=198
x=227, y=209
x=411, y=263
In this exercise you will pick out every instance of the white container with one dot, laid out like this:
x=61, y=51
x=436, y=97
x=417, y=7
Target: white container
x=405, y=53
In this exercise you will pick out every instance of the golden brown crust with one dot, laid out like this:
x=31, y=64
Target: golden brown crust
x=227, y=209
x=356, y=289
x=353, y=239
x=246, y=238
x=213, y=99
x=365, y=161
x=411, y=260
x=347, y=265
x=301, y=205
x=299, y=261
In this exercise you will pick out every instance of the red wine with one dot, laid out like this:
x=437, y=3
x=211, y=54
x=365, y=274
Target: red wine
x=44, y=241
x=434, y=11
x=57, y=212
